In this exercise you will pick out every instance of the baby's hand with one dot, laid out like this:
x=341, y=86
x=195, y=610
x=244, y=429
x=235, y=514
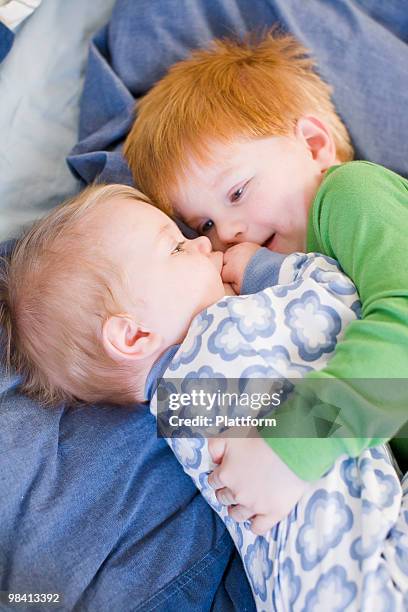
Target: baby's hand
x=236, y=259
x=255, y=479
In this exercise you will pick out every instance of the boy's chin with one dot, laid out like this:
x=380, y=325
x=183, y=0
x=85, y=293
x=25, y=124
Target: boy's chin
x=269, y=243
x=279, y=244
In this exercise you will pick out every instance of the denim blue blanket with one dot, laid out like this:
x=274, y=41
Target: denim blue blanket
x=6, y=40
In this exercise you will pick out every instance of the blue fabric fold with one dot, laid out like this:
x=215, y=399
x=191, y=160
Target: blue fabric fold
x=6, y=40
x=97, y=156
x=360, y=47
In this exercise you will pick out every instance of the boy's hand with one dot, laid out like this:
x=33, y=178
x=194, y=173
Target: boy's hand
x=228, y=289
x=236, y=259
x=255, y=479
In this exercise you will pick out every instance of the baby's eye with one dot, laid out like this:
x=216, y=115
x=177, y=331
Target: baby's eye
x=179, y=247
x=206, y=227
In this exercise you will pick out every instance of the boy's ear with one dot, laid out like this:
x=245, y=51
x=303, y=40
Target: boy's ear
x=318, y=139
x=124, y=339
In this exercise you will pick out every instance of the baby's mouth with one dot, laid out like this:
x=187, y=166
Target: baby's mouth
x=268, y=243
x=217, y=259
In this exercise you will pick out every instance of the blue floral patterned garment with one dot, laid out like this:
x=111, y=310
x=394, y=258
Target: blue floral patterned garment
x=345, y=545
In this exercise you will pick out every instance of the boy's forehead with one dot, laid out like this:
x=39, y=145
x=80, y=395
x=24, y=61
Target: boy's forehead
x=221, y=163
x=216, y=153
x=216, y=161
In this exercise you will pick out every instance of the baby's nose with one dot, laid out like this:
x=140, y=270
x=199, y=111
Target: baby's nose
x=202, y=244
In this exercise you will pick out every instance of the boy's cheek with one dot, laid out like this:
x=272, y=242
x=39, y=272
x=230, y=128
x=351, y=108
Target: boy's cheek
x=216, y=243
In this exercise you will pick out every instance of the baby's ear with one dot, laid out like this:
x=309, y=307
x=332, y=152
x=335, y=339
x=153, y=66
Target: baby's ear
x=124, y=339
x=318, y=138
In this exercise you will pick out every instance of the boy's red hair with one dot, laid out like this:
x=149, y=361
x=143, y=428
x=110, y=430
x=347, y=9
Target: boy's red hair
x=249, y=89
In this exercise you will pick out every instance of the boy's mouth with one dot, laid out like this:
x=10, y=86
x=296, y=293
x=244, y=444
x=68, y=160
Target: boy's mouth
x=268, y=243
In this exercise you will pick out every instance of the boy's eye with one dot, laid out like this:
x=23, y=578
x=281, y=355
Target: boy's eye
x=179, y=247
x=237, y=194
x=207, y=226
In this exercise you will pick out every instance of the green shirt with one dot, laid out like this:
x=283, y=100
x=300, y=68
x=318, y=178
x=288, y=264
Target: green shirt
x=360, y=217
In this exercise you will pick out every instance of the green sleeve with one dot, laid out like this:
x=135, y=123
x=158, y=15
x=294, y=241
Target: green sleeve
x=359, y=217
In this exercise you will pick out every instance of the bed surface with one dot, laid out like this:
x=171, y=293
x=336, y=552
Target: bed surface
x=40, y=85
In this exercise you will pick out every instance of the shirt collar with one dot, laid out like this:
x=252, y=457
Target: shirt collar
x=158, y=369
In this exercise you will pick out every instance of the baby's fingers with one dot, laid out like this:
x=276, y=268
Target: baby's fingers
x=214, y=480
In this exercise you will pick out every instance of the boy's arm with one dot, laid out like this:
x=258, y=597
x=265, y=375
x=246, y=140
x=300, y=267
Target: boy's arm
x=267, y=268
x=360, y=217
x=262, y=271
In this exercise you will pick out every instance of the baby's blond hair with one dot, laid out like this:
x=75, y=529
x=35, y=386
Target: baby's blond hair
x=57, y=288
x=252, y=89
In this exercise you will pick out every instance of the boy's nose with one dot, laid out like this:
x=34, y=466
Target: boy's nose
x=230, y=233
